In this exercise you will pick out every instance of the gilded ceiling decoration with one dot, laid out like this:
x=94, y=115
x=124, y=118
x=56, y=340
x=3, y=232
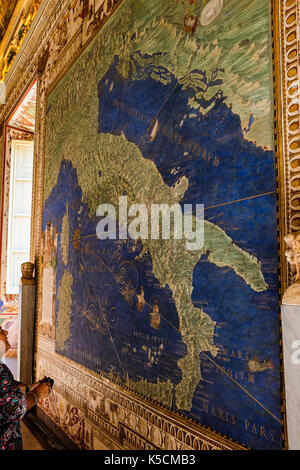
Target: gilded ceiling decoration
x=15, y=19
x=6, y=10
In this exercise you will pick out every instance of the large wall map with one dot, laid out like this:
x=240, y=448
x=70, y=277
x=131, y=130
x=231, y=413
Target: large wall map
x=172, y=103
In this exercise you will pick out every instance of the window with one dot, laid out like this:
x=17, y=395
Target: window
x=18, y=249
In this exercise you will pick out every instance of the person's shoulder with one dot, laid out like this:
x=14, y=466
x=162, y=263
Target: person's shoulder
x=4, y=371
x=3, y=366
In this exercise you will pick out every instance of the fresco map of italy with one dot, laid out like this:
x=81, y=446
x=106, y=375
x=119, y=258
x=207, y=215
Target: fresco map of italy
x=172, y=103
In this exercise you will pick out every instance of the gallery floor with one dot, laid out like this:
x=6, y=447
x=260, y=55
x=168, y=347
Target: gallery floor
x=30, y=442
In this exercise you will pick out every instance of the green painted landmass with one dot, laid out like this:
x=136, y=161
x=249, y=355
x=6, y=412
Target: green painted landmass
x=64, y=310
x=158, y=391
x=65, y=233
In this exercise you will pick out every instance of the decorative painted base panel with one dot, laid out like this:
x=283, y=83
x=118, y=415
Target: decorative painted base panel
x=99, y=413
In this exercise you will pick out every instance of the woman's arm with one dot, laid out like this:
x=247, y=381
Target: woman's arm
x=31, y=400
x=13, y=402
x=21, y=386
x=40, y=392
x=28, y=388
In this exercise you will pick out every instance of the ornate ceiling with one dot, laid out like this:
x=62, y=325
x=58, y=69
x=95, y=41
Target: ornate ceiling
x=6, y=10
x=16, y=17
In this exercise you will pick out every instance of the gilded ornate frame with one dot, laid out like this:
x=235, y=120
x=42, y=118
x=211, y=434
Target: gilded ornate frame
x=31, y=62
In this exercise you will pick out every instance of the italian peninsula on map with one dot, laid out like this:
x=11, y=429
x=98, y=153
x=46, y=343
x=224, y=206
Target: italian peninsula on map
x=167, y=128
x=173, y=264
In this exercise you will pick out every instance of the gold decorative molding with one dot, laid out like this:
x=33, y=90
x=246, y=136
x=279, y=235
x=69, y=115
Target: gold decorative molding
x=287, y=114
x=287, y=137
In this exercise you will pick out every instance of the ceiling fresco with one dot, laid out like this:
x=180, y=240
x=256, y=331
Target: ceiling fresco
x=16, y=17
x=6, y=10
x=24, y=117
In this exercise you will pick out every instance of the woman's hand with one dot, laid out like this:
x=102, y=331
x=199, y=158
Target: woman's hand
x=42, y=390
x=33, y=386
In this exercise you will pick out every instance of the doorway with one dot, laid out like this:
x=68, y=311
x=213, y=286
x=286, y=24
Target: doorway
x=16, y=216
